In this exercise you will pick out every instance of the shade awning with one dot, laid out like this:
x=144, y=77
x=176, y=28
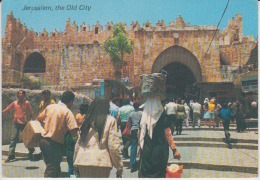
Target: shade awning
x=250, y=74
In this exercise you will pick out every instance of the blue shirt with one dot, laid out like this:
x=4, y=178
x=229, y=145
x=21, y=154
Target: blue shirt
x=124, y=112
x=113, y=110
x=225, y=114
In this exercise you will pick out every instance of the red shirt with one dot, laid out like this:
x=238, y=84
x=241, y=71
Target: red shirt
x=21, y=109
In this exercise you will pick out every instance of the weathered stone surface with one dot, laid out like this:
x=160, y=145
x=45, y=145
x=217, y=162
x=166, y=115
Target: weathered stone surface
x=75, y=57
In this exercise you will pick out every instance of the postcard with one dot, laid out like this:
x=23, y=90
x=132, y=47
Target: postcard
x=182, y=73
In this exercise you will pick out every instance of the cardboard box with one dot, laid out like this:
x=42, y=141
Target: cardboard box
x=31, y=134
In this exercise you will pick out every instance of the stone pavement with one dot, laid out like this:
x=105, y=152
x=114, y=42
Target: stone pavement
x=203, y=150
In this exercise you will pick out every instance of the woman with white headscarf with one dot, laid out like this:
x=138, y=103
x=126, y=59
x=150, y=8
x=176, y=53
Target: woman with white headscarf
x=155, y=140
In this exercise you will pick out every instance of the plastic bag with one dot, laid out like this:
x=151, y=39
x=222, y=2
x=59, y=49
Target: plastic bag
x=174, y=171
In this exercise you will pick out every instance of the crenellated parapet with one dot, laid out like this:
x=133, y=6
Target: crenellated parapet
x=96, y=34
x=79, y=47
x=86, y=34
x=17, y=35
x=234, y=32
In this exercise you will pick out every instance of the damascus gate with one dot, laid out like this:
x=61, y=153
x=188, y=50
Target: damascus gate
x=198, y=59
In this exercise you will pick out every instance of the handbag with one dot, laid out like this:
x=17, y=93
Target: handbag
x=127, y=130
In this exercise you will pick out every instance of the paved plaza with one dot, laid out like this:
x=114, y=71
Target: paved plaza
x=203, y=150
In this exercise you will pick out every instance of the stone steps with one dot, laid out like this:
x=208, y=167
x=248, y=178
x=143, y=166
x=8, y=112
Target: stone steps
x=203, y=149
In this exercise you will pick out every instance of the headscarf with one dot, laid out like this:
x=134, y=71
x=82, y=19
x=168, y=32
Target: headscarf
x=206, y=100
x=153, y=110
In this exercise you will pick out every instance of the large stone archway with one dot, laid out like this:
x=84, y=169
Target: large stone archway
x=180, y=55
x=34, y=63
x=183, y=70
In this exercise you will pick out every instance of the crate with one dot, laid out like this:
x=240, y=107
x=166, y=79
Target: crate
x=31, y=134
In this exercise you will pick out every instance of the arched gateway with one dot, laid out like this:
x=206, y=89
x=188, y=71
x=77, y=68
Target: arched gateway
x=34, y=63
x=183, y=70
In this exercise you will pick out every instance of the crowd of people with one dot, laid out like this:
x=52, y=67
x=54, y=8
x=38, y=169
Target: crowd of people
x=213, y=113
x=91, y=139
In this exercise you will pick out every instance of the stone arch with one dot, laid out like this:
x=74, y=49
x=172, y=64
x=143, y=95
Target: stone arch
x=178, y=54
x=34, y=63
x=224, y=60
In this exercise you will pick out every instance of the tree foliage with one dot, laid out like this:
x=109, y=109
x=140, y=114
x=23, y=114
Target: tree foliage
x=117, y=46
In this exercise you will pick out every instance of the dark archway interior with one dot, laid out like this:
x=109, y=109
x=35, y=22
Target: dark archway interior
x=35, y=63
x=179, y=81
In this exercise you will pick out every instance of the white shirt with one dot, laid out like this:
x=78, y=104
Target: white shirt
x=171, y=108
x=187, y=109
x=196, y=107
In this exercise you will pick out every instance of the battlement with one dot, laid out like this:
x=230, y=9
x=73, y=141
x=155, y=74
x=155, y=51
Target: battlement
x=97, y=34
x=60, y=55
x=179, y=24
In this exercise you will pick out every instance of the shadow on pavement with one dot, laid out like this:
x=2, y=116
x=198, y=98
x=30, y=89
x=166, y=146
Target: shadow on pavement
x=22, y=159
x=231, y=140
x=180, y=134
x=64, y=174
x=32, y=167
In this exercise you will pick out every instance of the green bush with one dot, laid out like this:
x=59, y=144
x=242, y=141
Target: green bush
x=30, y=84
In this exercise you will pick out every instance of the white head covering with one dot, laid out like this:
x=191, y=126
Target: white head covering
x=206, y=100
x=153, y=110
x=229, y=104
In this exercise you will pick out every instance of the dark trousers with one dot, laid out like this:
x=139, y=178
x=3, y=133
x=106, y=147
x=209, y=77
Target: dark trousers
x=226, y=128
x=126, y=141
x=15, y=138
x=172, y=119
x=241, y=125
x=69, y=155
x=134, y=144
x=179, y=126
x=52, y=153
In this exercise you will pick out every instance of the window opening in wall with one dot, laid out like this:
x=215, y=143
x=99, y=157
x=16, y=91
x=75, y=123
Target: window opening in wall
x=34, y=63
x=96, y=30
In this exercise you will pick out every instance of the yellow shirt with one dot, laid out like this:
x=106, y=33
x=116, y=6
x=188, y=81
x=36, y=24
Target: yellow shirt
x=211, y=107
x=44, y=104
x=58, y=120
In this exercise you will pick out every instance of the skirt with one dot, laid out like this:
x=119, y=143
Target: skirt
x=94, y=172
x=206, y=115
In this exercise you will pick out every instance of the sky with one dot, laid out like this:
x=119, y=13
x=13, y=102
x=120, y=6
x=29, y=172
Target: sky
x=197, y=12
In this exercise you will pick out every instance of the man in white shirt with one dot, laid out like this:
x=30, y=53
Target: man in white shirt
x=197, y=111
x=171, y=109
x=187, y=110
